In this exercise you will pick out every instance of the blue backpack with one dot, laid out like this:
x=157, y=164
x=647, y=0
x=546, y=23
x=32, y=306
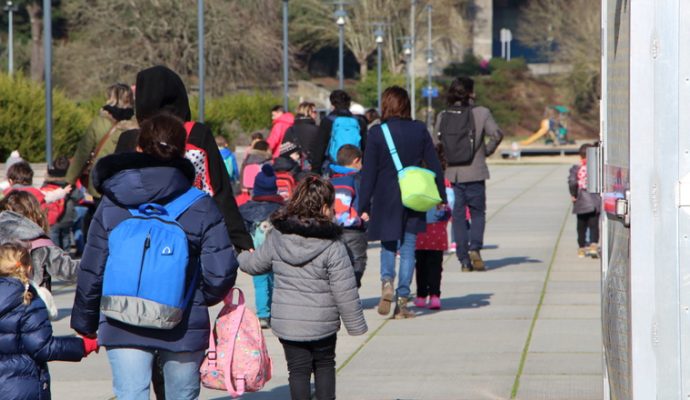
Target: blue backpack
x=345, y=131
x=145, y=281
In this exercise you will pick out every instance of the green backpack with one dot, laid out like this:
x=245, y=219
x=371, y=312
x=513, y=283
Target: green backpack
x=417, y=185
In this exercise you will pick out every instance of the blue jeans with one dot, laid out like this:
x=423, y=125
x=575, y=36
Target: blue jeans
x=263, y=293
x=407, y=260
x=131, y=370
x=469, y=236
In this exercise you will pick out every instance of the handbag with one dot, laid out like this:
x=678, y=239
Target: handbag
x=86, y=171
x=418, y=188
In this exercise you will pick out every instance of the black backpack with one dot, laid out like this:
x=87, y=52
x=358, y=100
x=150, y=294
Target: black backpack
x=457, y=135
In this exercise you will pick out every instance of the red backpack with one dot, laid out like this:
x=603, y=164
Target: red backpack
x=56, y=209
x=286, y=184
x=198, y=157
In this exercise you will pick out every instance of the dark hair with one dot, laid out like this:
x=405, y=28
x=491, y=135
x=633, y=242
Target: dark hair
x=440, y=151
x=59, y=167
x=257, y=135
x=395, y=103
x=460, y=90
x=340, y=100
x=20, y=173
x=221, y=141
x=277, y=109
x=261, y=145
x=372, y=115
x=163, y=136
x=583, y=150
x=308, y=200
x=347, y=154
x=26, y=204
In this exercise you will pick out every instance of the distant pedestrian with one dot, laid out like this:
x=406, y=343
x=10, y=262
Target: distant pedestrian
x=463, y=129
x=257, y=155
x=373, y=117
x=265, y=201
x=305, y=134
x=380, y=200
x=21, y=178
x=27, y=335
x=340, y=127
x=282, y=121
x=229, y=159
x=346, y=178
x=587, y=207
x=156, y=175
x=430, y=247
x=314, y=289
x=62, y=214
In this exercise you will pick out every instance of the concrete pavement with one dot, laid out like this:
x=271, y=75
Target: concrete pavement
x=528, y=328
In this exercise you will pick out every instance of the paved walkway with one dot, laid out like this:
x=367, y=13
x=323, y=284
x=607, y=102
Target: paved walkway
x=528, y=328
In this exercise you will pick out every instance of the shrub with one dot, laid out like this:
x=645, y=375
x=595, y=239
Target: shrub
x=22, y=120
x=470, y=66
x=367, y=93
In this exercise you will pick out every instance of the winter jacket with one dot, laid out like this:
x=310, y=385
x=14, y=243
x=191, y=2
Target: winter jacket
x=128, y=180
x=350, y=179
x=160, y=89
x=280, y=126
x=259, y=209
x=314, y=282
x=485, y=126
x=327, y=126
x=29, y=189
x=585, y=202
x=305, y=134
x=230, y=163
x=99, y=127
x=69, y=213
x=46, y=261
x=380, y=192
x=27, y=344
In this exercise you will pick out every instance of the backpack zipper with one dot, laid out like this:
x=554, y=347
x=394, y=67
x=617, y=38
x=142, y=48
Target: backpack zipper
x=147, y=245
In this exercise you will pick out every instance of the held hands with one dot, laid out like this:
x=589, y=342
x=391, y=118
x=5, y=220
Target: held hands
x=90, y=344
x=365, y=217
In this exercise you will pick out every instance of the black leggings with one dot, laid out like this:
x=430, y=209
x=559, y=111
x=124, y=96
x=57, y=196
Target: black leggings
x=428, y=272
x=303, y=358
x=587, y=221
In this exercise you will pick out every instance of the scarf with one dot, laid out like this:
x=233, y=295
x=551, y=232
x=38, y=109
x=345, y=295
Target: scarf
x=120, y=114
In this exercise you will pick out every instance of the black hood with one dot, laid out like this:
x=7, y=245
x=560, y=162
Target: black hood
x=160, y=89
x=131, y=179
x=310, y=228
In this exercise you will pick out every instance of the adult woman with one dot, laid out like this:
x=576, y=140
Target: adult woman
x=156, y=173
x=305, y=134
x=391, y=223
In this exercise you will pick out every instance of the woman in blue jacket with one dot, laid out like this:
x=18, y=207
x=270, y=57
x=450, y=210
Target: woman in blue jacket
x=157, y=173
x=380, y=202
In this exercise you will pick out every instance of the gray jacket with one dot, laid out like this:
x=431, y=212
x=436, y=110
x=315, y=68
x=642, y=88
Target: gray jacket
x=50, y=259
x=585, y=202
x=314, y=282
x=478, y=170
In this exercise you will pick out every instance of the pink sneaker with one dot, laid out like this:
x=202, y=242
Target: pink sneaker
x=435, y=303
x=420, y=302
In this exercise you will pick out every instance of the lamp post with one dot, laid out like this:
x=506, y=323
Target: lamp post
x=48, y=61
x=11, y=9
x=340, y=15
x=202, y=60
x=407, y=51
x=285, y=56
x=379, y=42
x=430, y=65
x=413, y=38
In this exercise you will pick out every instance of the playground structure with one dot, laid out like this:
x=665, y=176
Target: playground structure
x=554, y=127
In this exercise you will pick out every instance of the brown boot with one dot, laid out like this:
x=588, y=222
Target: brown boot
x=477, y=262
x=401, y=310
x=386, y=297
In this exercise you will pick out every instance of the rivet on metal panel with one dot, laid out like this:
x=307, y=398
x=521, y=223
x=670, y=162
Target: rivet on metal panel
x=655, y=48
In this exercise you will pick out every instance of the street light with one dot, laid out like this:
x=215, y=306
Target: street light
x=11, y=9
x=407, y=51
x=48, y=62
x=379, y=41
x=285, y=56
x=430, y=66
x=413, y=38
x=202, y=60
x=340, y=16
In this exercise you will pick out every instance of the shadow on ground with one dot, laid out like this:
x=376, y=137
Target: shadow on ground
x=509, y=261
x=280, y=392
x=474, y=300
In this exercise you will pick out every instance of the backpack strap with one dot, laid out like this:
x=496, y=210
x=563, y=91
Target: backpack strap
x=391, y=147
x=41, y=242
x=235, y=328
x=178, y=206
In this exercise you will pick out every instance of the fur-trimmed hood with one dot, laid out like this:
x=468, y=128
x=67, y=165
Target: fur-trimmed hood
x=302, y=241
x=131, y=179
x=14, y=227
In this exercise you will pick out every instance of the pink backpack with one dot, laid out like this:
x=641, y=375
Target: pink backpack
x=249, y=174
x=237, y=360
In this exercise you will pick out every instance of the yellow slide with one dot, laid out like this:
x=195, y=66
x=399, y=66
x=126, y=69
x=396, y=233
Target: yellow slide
x=538, y=134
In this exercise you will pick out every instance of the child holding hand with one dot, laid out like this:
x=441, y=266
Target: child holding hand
x=27, y=333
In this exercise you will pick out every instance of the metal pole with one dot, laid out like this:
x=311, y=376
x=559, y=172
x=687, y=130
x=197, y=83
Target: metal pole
x=202, y=60
x=378, y=75
x=413, y=95
x=430, y=61
x=285, y=56
x=10, y=38
x=48, y=61
x=341, y=64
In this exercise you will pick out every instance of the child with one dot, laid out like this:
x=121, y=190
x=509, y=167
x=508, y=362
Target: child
x=586, y=206
x=21, y=178
x=62, y=213
x=256, y=212
x=345, y=178
x=228, y=159
x=430, y=247
x=28, y=341
x=257, y=155
x=315, y=286
x=22, y=220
